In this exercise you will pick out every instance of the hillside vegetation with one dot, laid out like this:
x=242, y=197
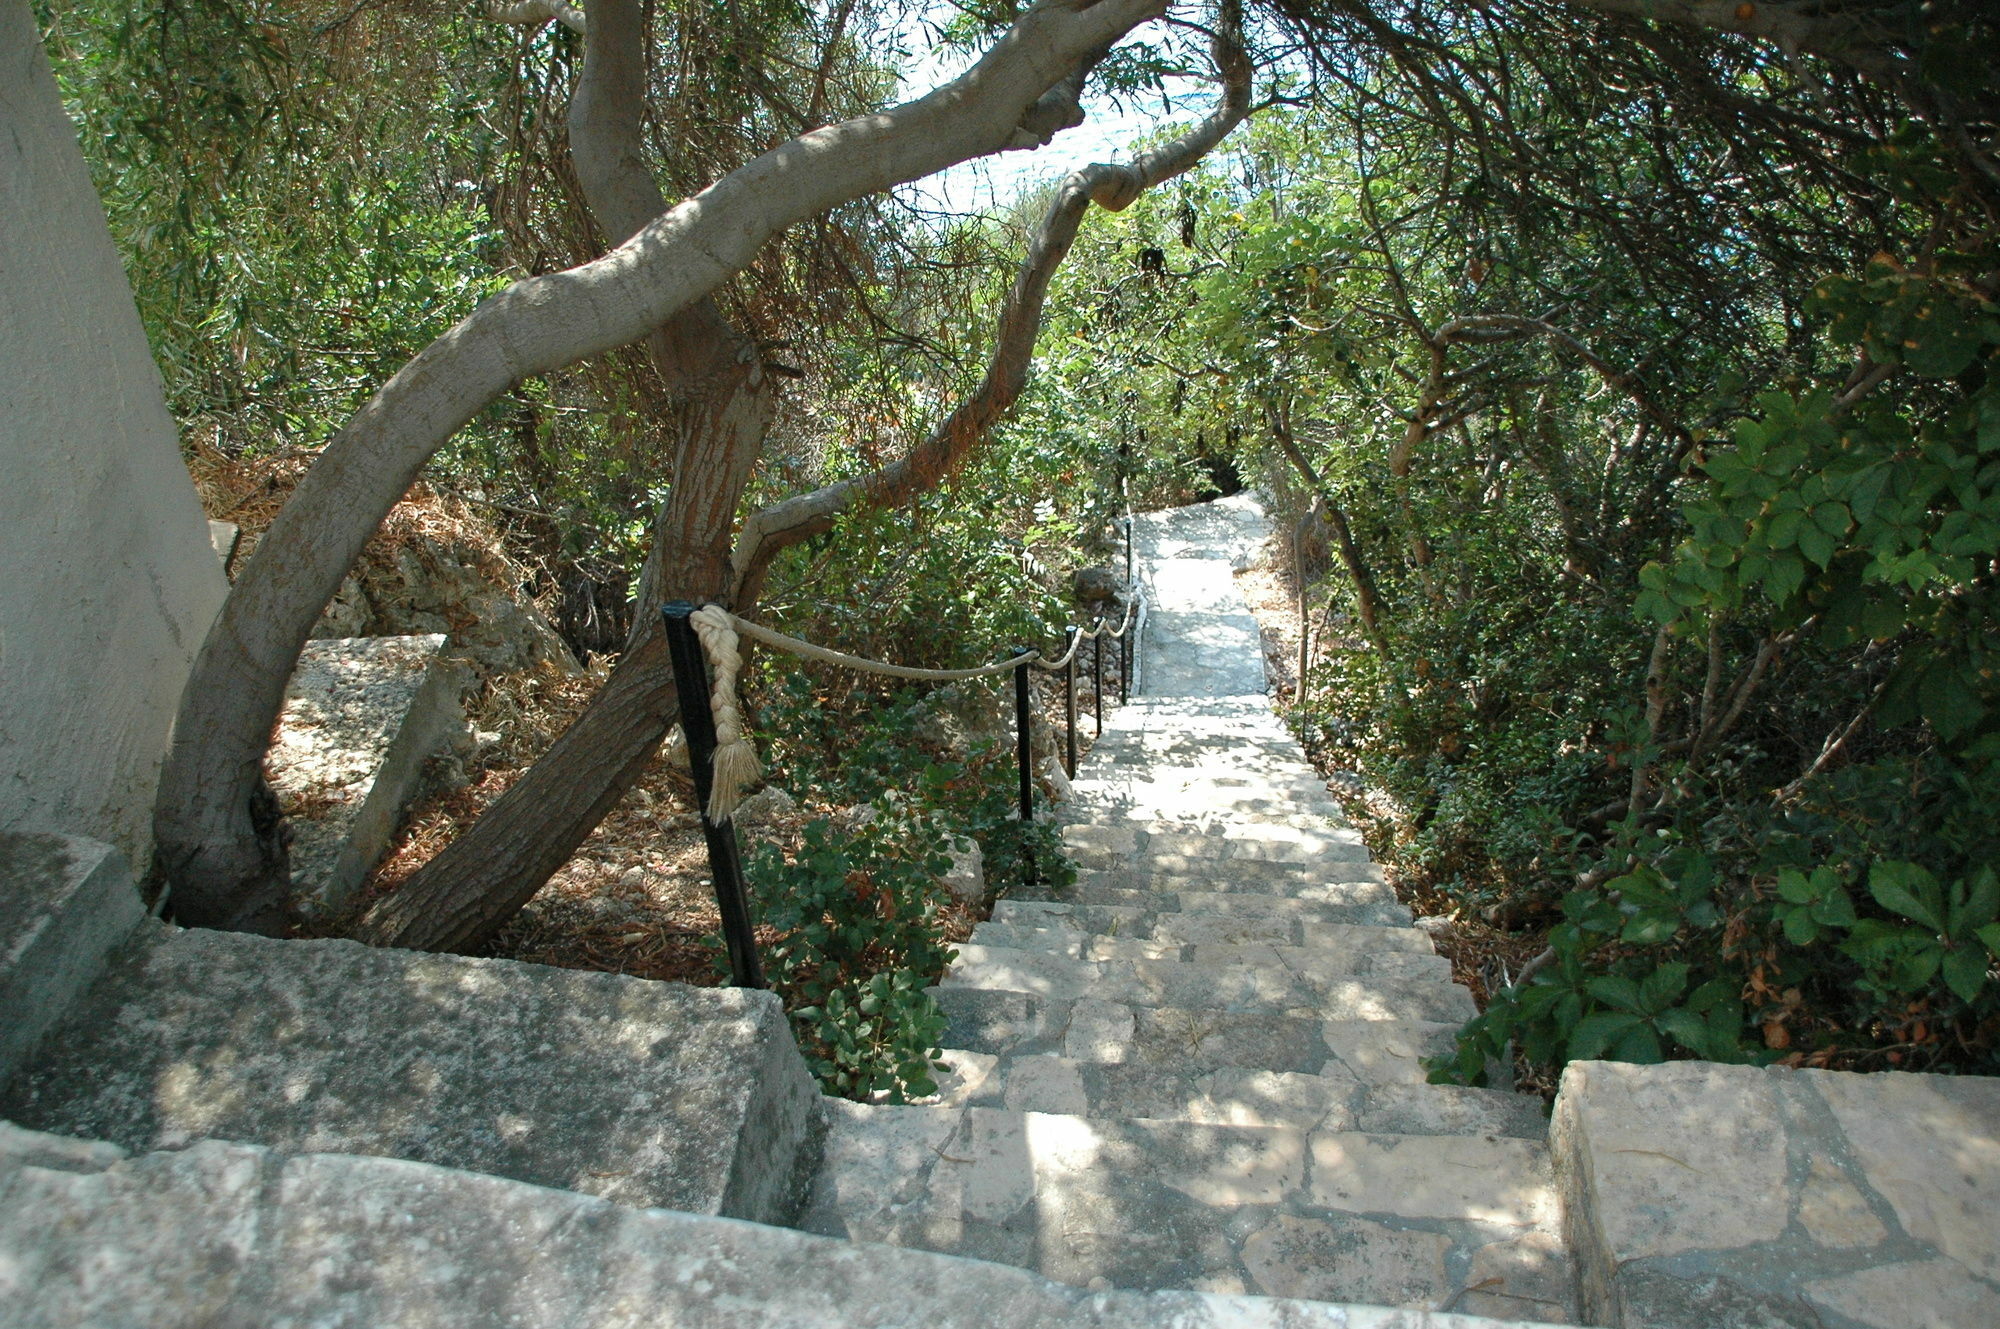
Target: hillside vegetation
x=1626, y=381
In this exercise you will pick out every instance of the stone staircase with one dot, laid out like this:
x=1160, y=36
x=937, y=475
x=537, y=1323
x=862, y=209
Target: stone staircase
x=1201, y=1066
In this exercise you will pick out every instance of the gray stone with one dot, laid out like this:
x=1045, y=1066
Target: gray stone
x=1349, y=1260
x=1930, y=1146
x=259, y=1237
x=223, y=536
x=66, y=903
x=769, y=804
x=361, y=716
x=966, y=878
x=641, y=1092
x=1701, y=1195
x=1095, y=586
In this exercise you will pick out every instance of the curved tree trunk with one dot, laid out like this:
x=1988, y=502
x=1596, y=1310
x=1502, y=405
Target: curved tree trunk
x=487, y=874
x=221, y=870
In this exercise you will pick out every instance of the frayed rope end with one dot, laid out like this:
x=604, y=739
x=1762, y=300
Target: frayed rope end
x=735, y=767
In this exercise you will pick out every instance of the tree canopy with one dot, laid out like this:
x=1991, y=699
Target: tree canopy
x=1625, y=367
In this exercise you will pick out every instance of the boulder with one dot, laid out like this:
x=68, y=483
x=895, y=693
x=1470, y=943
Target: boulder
x=1095, y=586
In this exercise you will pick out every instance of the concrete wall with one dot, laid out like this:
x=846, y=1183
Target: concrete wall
x=109, y=581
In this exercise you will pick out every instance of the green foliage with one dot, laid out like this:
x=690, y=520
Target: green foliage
x=856, y=913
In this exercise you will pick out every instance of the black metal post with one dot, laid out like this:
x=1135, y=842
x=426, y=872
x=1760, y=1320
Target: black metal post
x=1097, y=677
x=1128, y=549
x=1024, y=759
x=1069, y=709
x=725, y=864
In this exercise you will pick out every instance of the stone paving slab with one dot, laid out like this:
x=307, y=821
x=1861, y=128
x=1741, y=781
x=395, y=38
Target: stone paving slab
x=1727, y=1197
x=1248, y=1209
x=1334, y=992
x=259, y=1237
x=639, y=1092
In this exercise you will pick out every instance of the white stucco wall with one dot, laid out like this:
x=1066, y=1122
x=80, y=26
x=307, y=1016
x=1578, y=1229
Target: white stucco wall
x=109, y=580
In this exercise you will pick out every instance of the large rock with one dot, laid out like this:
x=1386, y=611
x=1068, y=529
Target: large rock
x=1702, y=1196
x=65, y=904
x=229, y=1234
x=361, y=717
x=641, y=1092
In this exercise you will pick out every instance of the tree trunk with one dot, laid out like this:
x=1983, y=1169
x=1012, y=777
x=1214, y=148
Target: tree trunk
x=721, y=403
x=221, y=869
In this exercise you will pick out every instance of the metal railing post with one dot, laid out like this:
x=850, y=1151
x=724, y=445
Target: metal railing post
x=1069, y=708
x=1024, y=758
x=1128, y=549
x=725, y=862
x=1097, y=676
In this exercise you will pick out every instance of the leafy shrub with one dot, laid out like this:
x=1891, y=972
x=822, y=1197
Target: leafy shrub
x=856, y=912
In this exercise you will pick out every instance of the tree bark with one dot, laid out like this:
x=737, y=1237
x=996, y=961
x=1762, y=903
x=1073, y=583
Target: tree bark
x=221, y=870
x=721, y=403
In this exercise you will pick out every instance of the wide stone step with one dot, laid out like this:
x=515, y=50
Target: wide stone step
x=1194, y=810
x=235, y=1234
x=1338, y=883
x=1403, y=951
x=1141, y=846
x=640, y=1092
x=1383, y=1050
x=1233, y=1095
x=1419, y=1221
x=1402, y=986
x=1119, y=919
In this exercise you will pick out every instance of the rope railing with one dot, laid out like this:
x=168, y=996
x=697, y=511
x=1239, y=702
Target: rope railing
x=705, y=646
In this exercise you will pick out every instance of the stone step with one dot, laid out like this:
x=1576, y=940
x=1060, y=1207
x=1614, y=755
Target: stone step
x=1403, y=986
x=1403, y=951
x=1120, y=918
x=1220, y=876
x=1194, y=809
x=1234, y=1095
x=643, y=1093
x=1383, y=1050
x=236, y=1234
x=1141, y=846
x=1376, y=900
x=1416, y=1221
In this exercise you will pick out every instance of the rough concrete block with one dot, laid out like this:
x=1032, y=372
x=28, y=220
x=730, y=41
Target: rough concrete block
x=641, y=1092
x=65, y=904
x=231, y=1234
x=361, y=716
x=1702, y=1196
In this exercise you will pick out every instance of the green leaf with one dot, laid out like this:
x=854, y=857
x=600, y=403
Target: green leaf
x=1613, y=990
x=1800, y=929
x=1594, y=1033
x=1640, y=1045
x=1990, y=935
x=1965, y=971
x=1685, y=1028
x=1663, y=985
x=1906, y=889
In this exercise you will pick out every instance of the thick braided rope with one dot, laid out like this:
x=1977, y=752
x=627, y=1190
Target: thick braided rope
x=779, y=641
x=734, y=768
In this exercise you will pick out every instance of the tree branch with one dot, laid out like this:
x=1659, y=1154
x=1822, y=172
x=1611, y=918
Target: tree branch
x=771, y=530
